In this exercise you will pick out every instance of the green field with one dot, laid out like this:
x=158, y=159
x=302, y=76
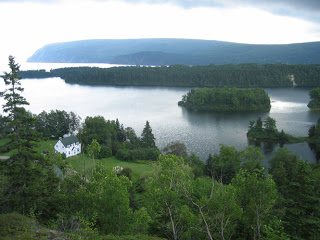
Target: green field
x=77, y=162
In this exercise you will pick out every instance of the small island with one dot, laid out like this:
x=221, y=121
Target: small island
x=266, y=130
x=226, y=100
x=314, y=103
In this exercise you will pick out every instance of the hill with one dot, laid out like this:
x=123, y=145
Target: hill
x=165, y=51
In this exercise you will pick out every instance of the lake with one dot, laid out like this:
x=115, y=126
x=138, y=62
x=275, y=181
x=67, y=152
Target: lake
x=201, y=132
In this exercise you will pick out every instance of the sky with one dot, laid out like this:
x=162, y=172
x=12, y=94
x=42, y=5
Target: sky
x=27, y=25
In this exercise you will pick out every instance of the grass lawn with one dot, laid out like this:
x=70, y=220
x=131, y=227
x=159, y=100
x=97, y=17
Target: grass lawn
x=47, y=145
x=138, y=169
x=77, y=162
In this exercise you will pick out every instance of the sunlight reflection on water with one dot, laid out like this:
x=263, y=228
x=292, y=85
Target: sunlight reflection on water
x=287, y=107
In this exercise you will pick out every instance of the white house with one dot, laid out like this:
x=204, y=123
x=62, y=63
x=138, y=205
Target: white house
x=70, y=146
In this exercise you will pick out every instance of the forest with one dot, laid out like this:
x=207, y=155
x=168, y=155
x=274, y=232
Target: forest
x=231, y=195
x=314, y=99
x=230, y=75
x=227, y=99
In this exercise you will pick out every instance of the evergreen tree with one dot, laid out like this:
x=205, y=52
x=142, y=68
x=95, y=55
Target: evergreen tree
x=259, y=124
x=270, y=125
x=121, y=136
x=30, y=178
x=147, y=139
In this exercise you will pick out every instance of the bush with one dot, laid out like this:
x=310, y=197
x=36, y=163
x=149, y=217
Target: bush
x=151, y=154
x=131, y=237
x=126, y=172
x=12, y=223
x=105, y=152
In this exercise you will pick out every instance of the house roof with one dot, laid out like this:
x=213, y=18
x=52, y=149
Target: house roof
x=69, y=140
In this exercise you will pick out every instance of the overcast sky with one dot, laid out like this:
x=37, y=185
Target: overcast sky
x=27, y=25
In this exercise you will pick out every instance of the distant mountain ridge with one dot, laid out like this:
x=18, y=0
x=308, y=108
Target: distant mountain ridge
x=167, y=51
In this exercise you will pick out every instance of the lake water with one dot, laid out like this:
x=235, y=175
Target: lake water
x=201, y=132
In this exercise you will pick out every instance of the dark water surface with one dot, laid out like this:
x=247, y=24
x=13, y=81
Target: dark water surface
x=201, y=132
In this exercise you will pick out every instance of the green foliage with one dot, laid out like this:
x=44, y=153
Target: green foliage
x=138, y=168
x=141, y=221
x=30, y=180
x=176, y=148
x=93, y=148
x=299, y=195
x=105, y=152
x=17, y=226
x=151, y=154
x=230, y=75
x=270, y=125
x=103, y=201
x=196, y=164
x=121, y=135
x=147, y=139
x=57, y=123
x=315, y=98
x=170, y=199
x=225, y=165
x=257, y=194
x=163, y=191
x=100, y=129
x=131, y=237
x=314, y=136
x=13, y=223
x=267, y=131
x=227, y=99
x=216, y=204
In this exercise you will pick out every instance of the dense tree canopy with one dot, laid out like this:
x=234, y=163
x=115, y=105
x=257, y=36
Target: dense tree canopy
x=230, y=197
x=239, y=75
x=226, y=99
x=56, y=123
x=30, y=180
x=315, y=98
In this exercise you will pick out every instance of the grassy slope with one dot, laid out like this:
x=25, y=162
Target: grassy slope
x=77, y=162
x=17, y=226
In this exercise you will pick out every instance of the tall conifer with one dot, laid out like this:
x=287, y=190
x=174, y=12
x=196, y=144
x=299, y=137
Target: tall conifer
x=30, y=177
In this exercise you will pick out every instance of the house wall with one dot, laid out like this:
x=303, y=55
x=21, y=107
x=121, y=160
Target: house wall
x=73, y=149
x=70, y=150
x=59, y=147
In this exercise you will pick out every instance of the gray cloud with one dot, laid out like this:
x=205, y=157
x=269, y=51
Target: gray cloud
x=306, y=9
x=312, y=5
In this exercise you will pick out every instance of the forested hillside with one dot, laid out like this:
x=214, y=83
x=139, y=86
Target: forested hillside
x=175, y=51
x=239, y=75
x=230, y=196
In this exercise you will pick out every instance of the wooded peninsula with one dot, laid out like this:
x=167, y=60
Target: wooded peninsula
x=230, y=75
x=226, y=99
